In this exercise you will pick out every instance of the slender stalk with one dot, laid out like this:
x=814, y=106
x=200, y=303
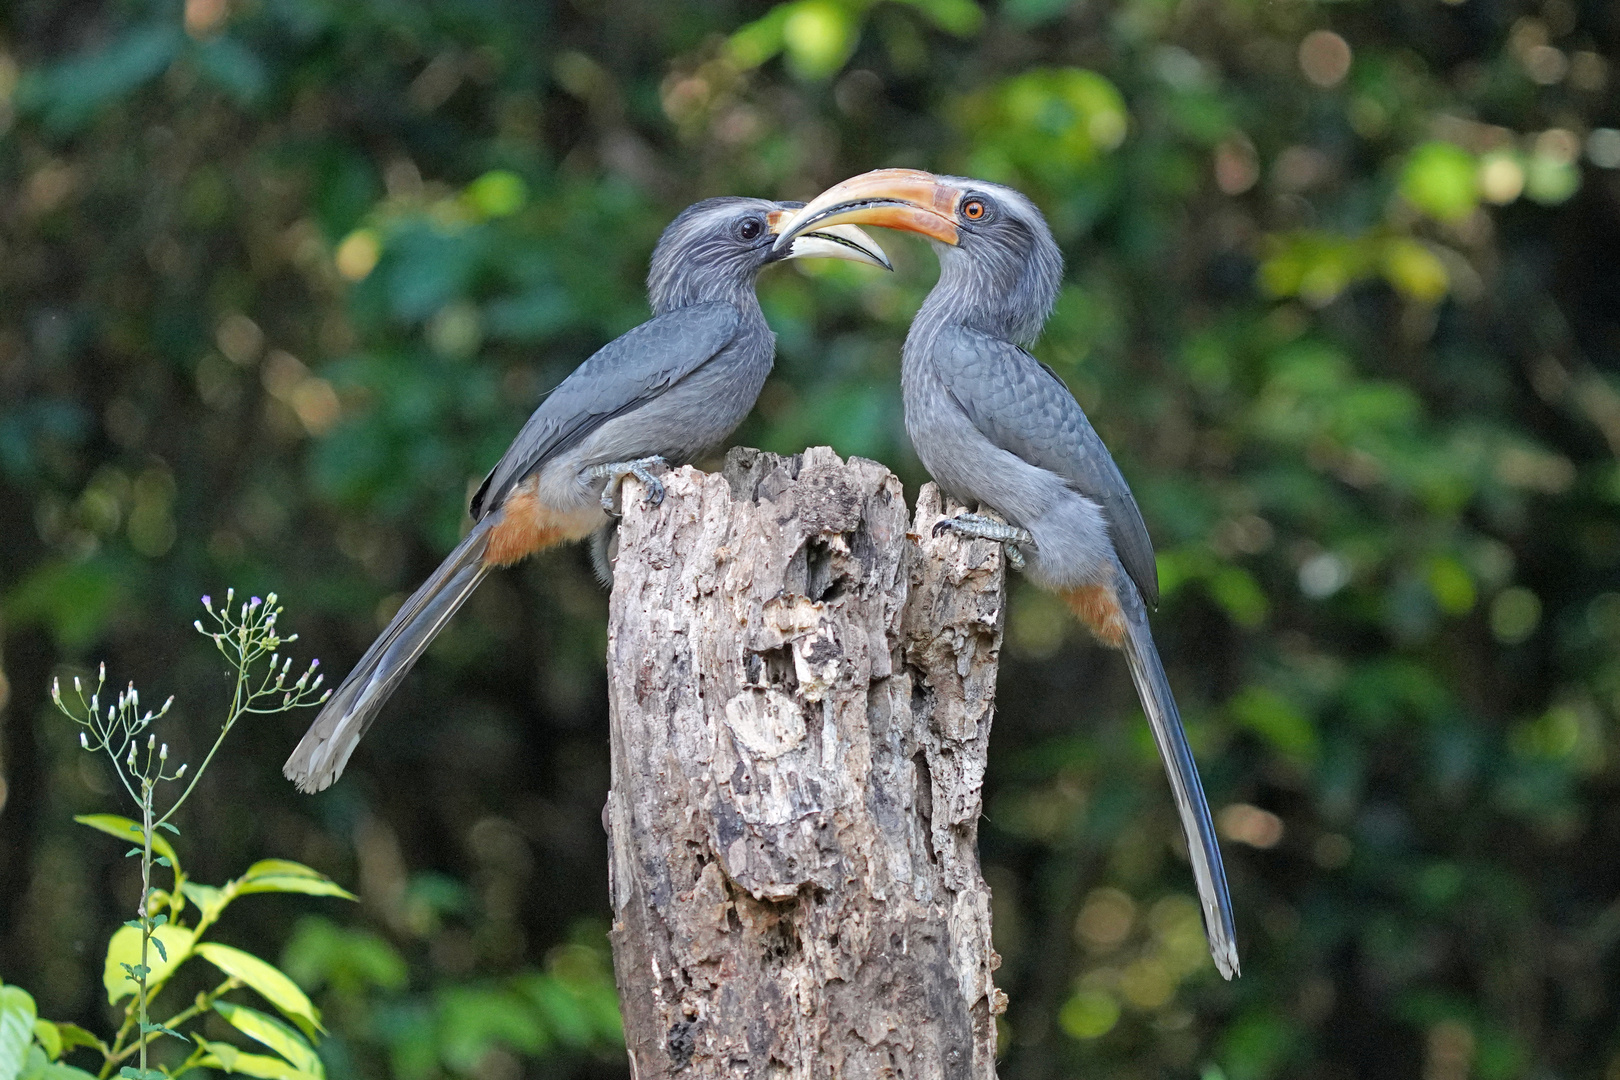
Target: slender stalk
x=230, y=720
x=146, y=919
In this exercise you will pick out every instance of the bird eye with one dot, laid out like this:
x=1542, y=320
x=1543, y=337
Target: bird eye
x=973, y=209
x=750, y=229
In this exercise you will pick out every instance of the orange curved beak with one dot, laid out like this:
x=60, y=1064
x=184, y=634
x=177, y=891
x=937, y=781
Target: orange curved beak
x=906, y=199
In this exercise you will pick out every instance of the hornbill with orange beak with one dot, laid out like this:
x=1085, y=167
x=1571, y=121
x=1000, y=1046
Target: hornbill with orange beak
x=997, y=428
x=668, y=391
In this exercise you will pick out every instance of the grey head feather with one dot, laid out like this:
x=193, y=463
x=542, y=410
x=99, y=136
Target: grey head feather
x=701, y=258
x=1004, y=277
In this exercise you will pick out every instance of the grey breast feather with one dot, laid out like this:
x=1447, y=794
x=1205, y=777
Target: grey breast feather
x=1022, y=406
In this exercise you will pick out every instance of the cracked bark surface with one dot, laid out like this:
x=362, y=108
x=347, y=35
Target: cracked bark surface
x=801, y=682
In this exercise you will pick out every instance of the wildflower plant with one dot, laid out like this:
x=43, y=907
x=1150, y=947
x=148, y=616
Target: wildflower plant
x=146, y=951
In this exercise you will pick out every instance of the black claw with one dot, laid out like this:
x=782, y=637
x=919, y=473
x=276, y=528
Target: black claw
x=655, y=492
x=943, y=526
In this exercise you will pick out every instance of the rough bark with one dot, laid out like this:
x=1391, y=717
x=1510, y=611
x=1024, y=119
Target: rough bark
x=801, y=691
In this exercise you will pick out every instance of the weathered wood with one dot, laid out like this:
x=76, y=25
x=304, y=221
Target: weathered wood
x=801, y=692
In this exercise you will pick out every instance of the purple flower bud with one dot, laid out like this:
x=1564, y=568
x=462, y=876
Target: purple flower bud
x=208, y=602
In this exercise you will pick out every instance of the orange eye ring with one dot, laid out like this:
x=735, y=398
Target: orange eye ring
x=973, y=209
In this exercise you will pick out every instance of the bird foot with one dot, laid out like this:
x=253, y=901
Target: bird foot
x=615, y=472
x=1011, y=537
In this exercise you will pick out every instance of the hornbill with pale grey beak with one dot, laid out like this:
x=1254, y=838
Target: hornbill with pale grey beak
x=997, y=428
x=666, y=392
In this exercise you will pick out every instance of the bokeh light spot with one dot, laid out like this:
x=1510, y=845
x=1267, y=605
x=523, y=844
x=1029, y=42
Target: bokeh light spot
x=1514, y=615
x=1501, y=177
x=357, y=255
x=1250, y=825
x=1090, y=1014
x=1105, y=919
x=1325, y=58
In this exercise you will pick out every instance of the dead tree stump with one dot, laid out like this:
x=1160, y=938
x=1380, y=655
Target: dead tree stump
x=801, y=691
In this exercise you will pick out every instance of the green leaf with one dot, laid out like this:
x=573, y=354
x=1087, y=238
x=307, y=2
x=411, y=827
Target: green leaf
x=275, y=987
x=225, y=1056
x=280, y=868
x=266, y=1029
x=72, y=1036
x=129, y=1072
x=40, y=1069
x=170, y=826
x=123, y=828
x=209, y=900
x=125, y=949
x=307, y=886
x=149, y=1027
x=49, y=1039
x=17, y=1015
x=281, y=875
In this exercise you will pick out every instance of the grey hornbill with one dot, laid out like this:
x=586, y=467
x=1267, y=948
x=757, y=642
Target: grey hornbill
x=668, y=391
x=997, y=428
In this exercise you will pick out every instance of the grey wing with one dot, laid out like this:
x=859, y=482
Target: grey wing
x=633, y=368
x=1022, y=406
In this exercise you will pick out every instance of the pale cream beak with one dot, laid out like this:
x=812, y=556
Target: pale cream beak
x=828, y=242
x=905, y=199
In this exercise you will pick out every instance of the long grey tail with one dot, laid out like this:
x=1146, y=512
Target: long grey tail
x=325, y=749
x=1147, y=672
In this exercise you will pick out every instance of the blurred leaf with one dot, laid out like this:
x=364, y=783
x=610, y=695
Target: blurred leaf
x=1089, y=1014
x=235, y=67
x=70, y=93
x=960, y=17
x=1551, y=180
x=225, y=1056
x=275, y=987
x=1256, y=1045
x=46, y=1034
x=1049, y=123
x=1442, y=180
x=1270, y=716
x=125, y=949
x=76, y=601
x=496, y=194
x=273, y=1033
x=1415, y=271
x=474, y=1019
x=39, y=1067
x=818, y=36
x=16, y=1029
x=71, y=1036
x=321, y=953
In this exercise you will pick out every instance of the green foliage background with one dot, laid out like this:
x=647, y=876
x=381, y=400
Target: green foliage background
x=280, y=278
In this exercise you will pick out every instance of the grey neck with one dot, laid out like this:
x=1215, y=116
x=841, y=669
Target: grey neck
x=998, y=291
